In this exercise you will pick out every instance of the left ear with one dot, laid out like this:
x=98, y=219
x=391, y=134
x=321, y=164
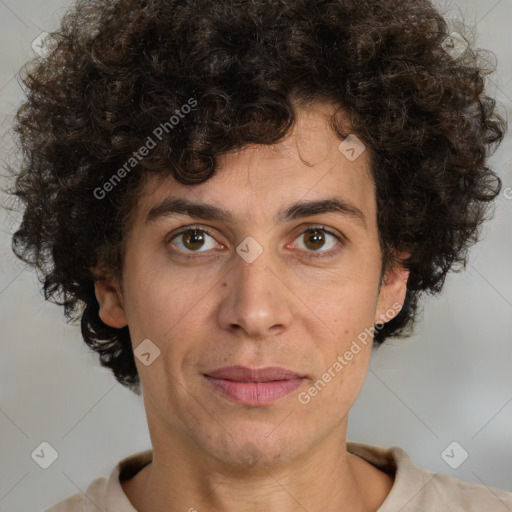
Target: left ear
x=392, y=292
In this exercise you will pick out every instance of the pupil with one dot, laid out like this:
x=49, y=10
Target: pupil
x=191, y=235
x=317, y=237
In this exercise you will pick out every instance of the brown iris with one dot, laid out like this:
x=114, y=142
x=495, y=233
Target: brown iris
x=316, y=238
x=193, y=239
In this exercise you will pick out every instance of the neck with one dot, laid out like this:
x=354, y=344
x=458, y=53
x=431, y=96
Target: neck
x=330, y=479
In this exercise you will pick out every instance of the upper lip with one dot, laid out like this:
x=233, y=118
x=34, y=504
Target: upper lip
x=245, y=374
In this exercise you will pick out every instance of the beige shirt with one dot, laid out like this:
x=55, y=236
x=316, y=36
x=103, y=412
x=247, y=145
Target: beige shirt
x=414, y=490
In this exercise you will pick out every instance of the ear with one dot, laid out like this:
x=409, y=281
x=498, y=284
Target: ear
x=392, y=292
x=109, y=296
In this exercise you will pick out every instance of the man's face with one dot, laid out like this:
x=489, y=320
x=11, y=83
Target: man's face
x=299, y=304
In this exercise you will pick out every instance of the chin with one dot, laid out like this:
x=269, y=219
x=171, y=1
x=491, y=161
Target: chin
x=252, y=449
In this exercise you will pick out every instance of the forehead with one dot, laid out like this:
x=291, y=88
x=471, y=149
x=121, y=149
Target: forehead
x=258, y=180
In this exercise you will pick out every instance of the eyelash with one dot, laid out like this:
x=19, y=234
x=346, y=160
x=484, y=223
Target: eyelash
x=321, y=254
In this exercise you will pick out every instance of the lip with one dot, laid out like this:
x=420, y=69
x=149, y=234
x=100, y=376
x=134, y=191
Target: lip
x=245, y=374
x=252, y=386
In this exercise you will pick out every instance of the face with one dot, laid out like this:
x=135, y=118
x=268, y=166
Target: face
x=255, y=288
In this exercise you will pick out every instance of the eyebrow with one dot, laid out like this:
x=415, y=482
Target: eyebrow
x=178, y=206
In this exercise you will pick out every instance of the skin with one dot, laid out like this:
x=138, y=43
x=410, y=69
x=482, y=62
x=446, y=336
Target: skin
x=210, y=308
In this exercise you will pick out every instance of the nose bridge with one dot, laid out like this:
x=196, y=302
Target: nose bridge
x=258, y=300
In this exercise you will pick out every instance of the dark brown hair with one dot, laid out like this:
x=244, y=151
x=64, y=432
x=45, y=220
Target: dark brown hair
x=116, y=70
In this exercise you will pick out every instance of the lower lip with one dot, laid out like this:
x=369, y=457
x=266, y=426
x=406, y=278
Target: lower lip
x=255, y=393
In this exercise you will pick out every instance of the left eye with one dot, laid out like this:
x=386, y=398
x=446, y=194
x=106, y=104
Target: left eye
x=315, y=239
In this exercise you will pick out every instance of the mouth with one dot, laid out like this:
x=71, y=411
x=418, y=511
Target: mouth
x=250, y=386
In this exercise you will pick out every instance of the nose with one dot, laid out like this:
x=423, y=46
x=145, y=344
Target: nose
x=259, y=302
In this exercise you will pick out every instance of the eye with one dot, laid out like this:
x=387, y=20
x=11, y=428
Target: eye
x=315, y=239
x=193, y=238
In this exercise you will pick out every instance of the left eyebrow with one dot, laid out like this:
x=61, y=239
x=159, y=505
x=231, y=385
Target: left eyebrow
x=203, y=211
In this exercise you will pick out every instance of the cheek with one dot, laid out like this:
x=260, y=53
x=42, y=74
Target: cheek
x=345, y=348
x=350, y=282
x=159, y=298
x=346, y=307
x=335, y=390
x=171, y=311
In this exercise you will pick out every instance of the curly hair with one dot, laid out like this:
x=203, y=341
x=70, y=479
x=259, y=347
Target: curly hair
x=116, y=70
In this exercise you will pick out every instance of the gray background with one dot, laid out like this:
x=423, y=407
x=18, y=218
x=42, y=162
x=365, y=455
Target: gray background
x=451, y=381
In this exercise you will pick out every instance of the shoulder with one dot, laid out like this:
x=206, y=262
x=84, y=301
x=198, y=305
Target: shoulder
x=422, y=490
x=81, y=502
x=464, y=496
x=106, y=493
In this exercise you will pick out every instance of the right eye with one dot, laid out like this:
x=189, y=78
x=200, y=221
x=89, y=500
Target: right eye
x=191, y=239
